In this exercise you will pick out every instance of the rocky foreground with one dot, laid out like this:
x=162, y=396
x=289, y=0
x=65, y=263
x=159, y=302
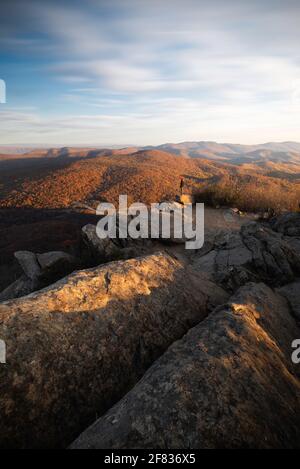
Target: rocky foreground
x=76, y=348
x=227, y=383
x=157, y=351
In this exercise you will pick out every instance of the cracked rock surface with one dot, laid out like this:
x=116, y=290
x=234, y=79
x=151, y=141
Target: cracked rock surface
x=291, y=292
x=255, y=254
x=287, y=224
x=228, y=383
x=75, y=348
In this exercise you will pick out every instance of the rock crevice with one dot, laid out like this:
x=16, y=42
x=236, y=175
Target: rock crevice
x=76, y=348
x=228, y=383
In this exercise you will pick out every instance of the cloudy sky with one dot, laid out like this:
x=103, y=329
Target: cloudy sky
x=104, y=72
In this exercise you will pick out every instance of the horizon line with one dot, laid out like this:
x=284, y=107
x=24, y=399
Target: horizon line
x=120, y=146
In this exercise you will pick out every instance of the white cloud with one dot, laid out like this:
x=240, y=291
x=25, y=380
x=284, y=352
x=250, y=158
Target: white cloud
x=167, y=70
x=221, y=122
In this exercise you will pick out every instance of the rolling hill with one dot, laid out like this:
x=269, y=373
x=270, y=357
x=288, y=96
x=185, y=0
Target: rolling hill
x=43, y=193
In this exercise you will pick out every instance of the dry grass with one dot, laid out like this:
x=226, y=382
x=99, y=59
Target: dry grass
x=144, y=176
x=252, y=193
x=152, y=176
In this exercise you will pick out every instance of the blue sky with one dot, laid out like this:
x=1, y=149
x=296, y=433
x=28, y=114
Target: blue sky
x=105, y=72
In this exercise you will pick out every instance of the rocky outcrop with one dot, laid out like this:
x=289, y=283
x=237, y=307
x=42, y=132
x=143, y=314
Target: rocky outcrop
x=229, y=383
x=100, y=250
x=29, y=263
x=256, y=253
x=21, y=287
x=168, y=212
x=40, y=270
x=292, y=293
x=162, y=223
x=76, y=348
x=56, y=264
x=287, y=224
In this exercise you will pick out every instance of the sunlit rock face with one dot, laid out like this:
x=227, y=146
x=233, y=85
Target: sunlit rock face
x=256, y=253
x=228, y=383
x=75, y=348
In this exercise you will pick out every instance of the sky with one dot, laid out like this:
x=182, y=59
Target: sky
x=122, y=72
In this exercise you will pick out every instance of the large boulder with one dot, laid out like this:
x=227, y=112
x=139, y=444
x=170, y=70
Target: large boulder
x=29, y=263
x=56, y=264
x=292, y=293
x=21, y=287
x=39, y=271
x=256, y=253
x=287, y=224
x=164, y=213
x=229, y=383
x=75, y=349
x=100, y=250
x=168, y=211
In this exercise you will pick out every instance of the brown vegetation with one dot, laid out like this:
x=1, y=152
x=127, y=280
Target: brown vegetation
x=149, y=176
x=144, y=176
x=253, y=193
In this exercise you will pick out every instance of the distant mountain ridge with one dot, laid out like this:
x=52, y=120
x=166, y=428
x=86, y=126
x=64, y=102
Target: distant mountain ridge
x=277, y=152
x=232, y=147
x=235, y=153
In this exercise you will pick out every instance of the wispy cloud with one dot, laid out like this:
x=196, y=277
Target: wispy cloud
x=165, y=70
